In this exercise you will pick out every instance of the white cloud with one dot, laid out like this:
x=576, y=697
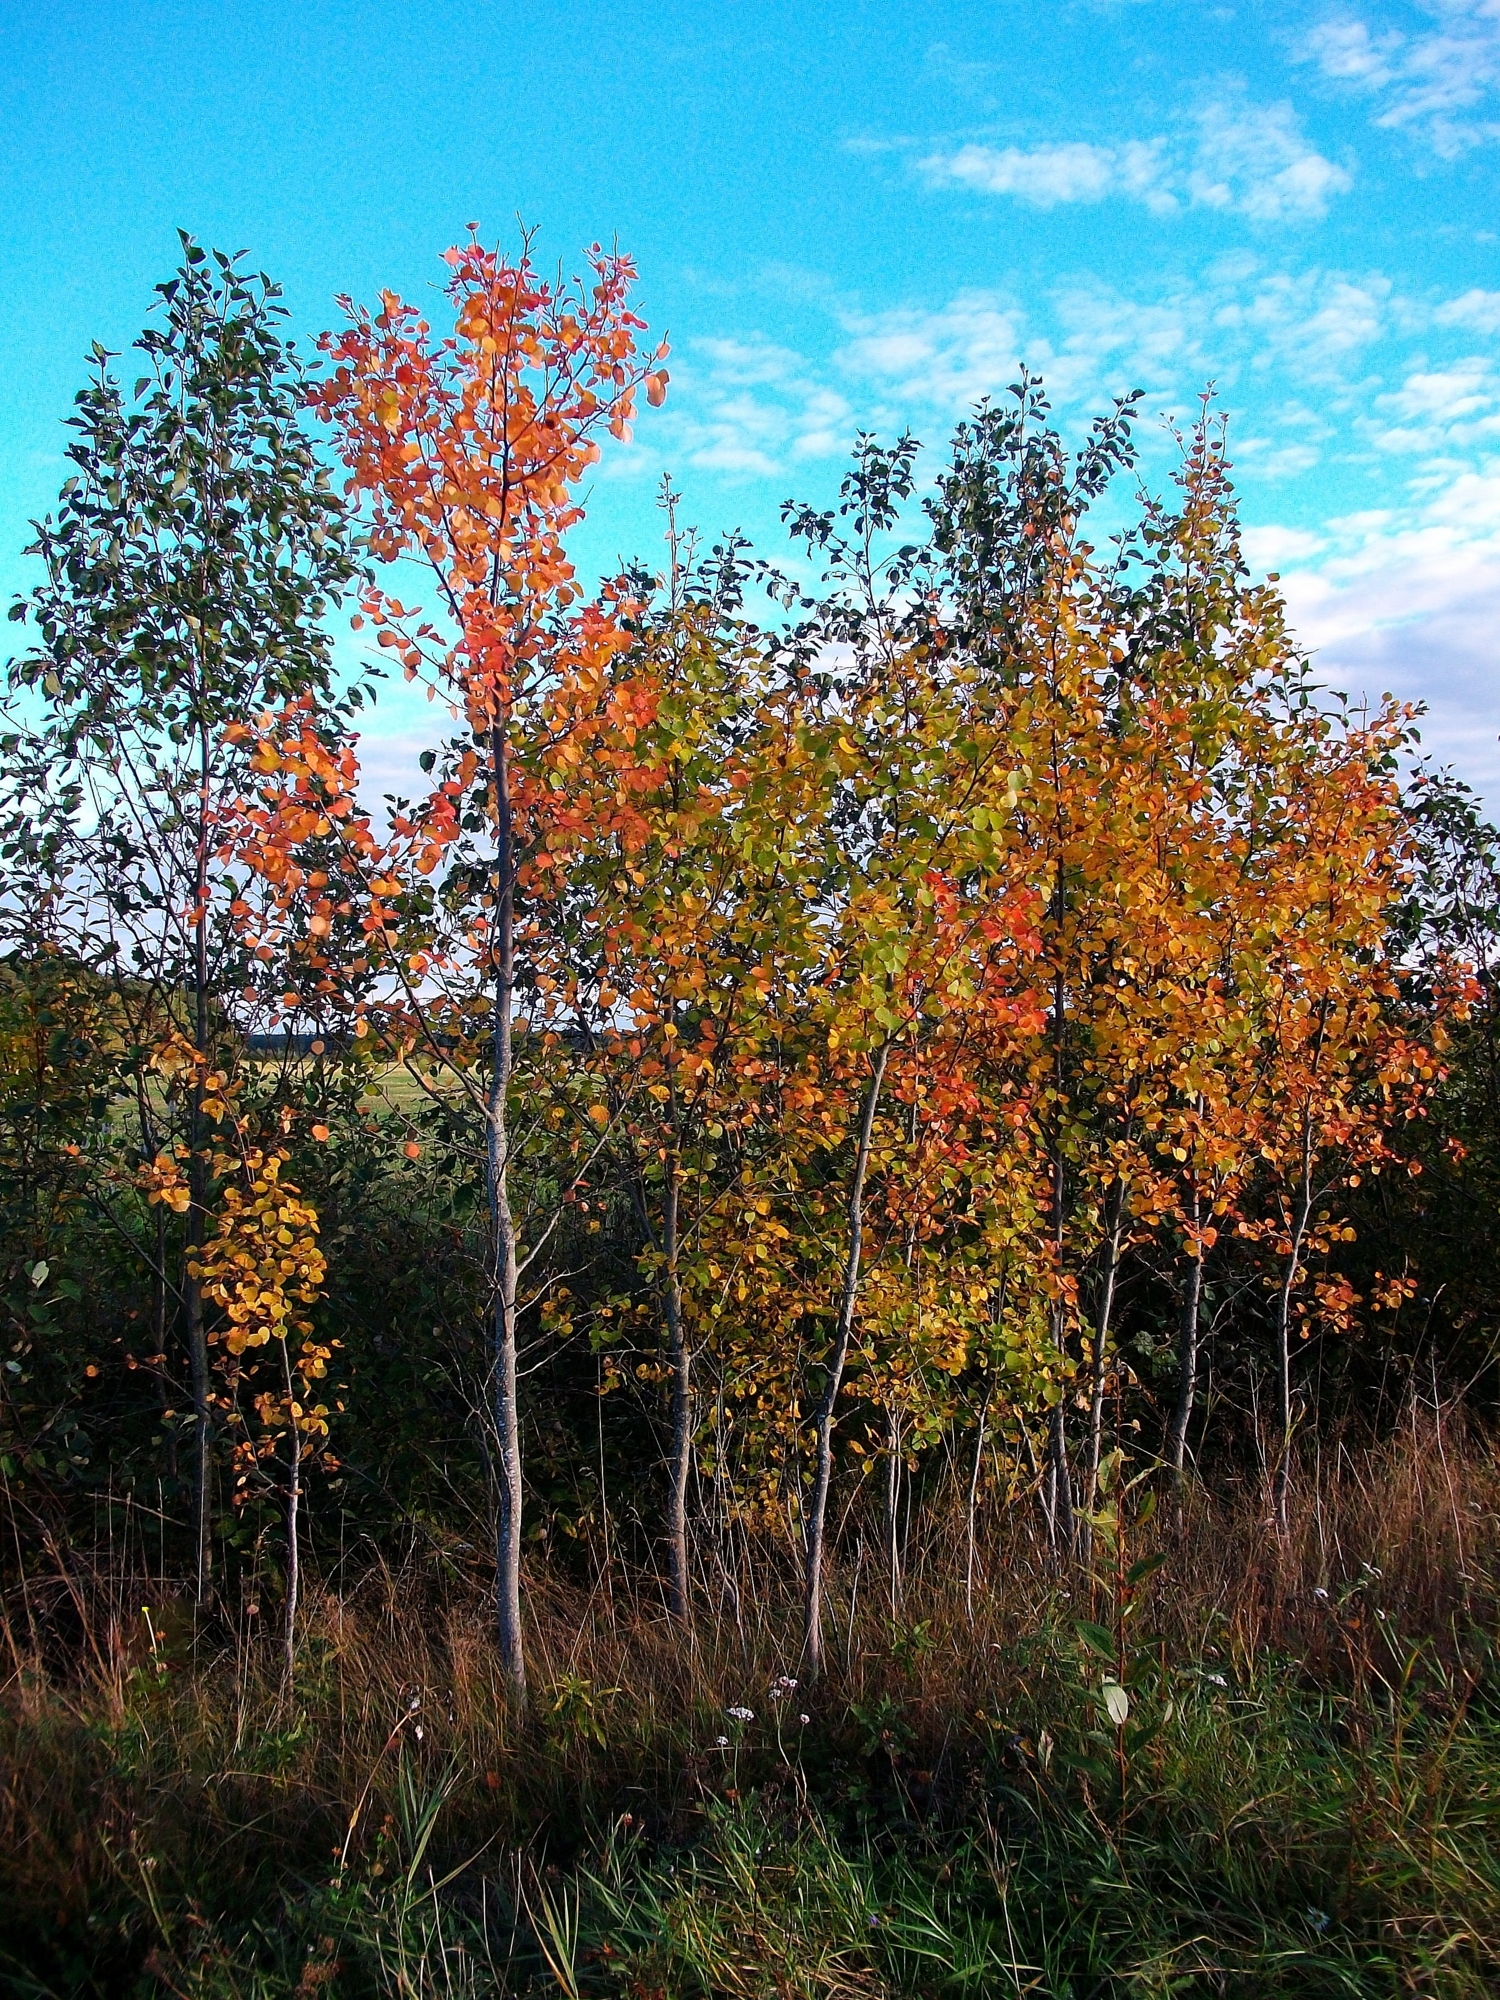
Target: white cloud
x=944, y=357
x=1401, y=591
x=1250, y=160
x=1439, y=409
x=1317, y=325
x=1273, y=548
x=1477, y=309
x=1444, y=393
x=1346, y=51
x=1408, y=604
x=748, y=408
x=1435, y=84
x=1069, y=171
x=1270, y=460
x=1257, y=162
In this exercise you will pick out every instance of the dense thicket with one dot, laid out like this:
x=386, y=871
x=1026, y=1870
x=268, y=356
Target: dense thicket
x=989, y=1028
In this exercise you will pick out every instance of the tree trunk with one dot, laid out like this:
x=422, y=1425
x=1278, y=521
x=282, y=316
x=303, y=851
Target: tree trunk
x=293, y=1548
x=503, y=1276
x=197, y=1215
x=1102, y=1318
x=1062, y=1521
x=893, y=1469
x=1188, y=1319
x=149, y=1149
x=682, y=1401
x=823, y=1421
x=1284, y=1334
x=1062, y=1526
x=971, y=1523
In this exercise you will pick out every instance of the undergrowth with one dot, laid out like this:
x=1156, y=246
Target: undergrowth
x=1210, y=1763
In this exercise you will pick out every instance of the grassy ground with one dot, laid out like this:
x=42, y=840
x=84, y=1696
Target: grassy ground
x=1304, y=1797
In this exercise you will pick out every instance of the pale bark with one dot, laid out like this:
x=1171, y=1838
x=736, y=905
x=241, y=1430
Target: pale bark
x=1061, y=1520
x=1284, y=1330
x=681, y=1354
x=1061, y=1524
x=823, y=1420
x=971, y=1523
x=1188, y=1323
x=293, y=1529
x=503, y=1275
x=893, y=1504
x=1102, y=1318
x=197, y=1214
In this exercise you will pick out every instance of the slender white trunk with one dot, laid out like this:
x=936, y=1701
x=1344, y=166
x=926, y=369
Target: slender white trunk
x=1284, y=1331
x=682, y=1399
x=823, y=1421
x=973, y=1507
x=1189, y=1316
x=197, y=1214
x=1099, y=1358
x=893, y=1469
x=293, y=1530
x=503, y=1275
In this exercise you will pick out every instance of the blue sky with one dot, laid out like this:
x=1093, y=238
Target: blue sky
x=846, y=215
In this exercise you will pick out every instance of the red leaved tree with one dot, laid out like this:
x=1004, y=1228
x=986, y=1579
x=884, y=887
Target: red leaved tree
x=467, y=452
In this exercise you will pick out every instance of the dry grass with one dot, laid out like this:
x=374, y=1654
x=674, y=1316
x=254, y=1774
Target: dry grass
x=1330, y=1728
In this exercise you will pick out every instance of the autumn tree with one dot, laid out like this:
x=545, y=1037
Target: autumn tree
x=671, y=956
x=1339, y=1070
x=467, y=452
x=1029, y=618
x=187, y=576
x=259, y=1268
x=918, y=908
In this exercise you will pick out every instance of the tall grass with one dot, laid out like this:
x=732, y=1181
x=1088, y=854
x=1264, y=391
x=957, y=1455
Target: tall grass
x=1305, y=1797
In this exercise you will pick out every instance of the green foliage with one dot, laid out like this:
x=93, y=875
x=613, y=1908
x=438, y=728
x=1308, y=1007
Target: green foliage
x=900, y=1019
x=196, y=551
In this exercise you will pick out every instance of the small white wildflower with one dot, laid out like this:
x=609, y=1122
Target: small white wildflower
x=740, y=1714
x=804, y=1720
x=782, y=1686
x=420, y=1732
x=721, y=1742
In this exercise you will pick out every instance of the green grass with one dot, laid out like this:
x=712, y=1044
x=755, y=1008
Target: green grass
x=1304, y=1799
x=174, y=1835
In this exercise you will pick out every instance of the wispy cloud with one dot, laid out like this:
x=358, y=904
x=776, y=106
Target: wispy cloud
x=1250, y=160
x=1092, y=343
x=1477, y=309
x=958, y=76
x=1406, y=600
x=1438, y=410
x=1257, y=162
x=749, y=408
x=1067, y=171
x=1315, y=324
x=1438, y=83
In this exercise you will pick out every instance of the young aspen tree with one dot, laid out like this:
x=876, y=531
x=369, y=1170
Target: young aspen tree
x=188, y=573
x=467, y=452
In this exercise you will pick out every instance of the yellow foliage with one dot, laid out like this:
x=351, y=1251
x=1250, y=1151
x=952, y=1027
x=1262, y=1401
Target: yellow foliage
x=264, y=1261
